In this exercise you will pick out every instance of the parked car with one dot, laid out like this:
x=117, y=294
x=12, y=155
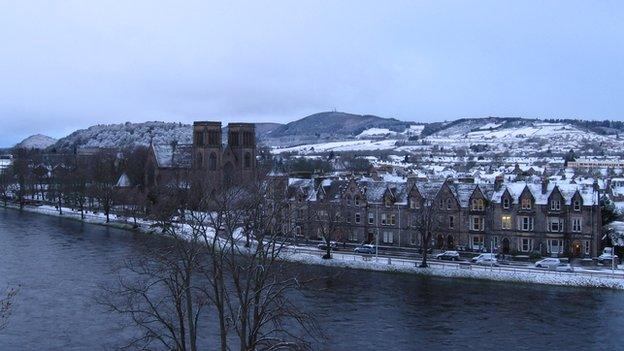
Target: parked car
x=448, y=255
x=332, y=244
x=607, y=256
x=487, y=261
x=564, y=267
x=484, y=256
x=548, y=263
x=365, y=249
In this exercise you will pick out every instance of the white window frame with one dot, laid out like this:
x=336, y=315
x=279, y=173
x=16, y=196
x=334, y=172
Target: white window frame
x=577, y=205
x=558, y=222
x=371, y=218
x=555, y=205
x=526, y=204
x=554, y=249
x=522, y=242
x=506, y=222
x=587, y=247
x=392, y=219
x=477, y=242
x=384, y=219
x=352, y=235
x=388, y=237
x=577, y=224
x=477, y=204
x=358, y=218
x=526, y=223
x=476, y=223
x=506, y=203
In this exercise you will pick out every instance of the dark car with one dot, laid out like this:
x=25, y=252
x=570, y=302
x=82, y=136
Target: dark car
x=448, y=255
x=365, y=249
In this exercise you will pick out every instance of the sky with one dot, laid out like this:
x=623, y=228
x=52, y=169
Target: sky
x=66, y=65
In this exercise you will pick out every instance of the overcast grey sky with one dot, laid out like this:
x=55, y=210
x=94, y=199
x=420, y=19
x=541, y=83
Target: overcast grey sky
x=66, y=65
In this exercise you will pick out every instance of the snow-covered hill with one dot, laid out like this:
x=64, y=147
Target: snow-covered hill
x=37, y=141
x=126, y=135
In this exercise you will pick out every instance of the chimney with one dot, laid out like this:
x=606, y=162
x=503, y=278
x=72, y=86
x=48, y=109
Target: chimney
x=498, y=182
x=544, y=185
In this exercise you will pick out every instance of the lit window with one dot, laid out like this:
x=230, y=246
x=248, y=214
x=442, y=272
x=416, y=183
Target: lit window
x=506, y=222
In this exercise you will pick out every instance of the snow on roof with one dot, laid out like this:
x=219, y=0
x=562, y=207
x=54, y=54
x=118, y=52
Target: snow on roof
x=124, y=181
x=587, y=192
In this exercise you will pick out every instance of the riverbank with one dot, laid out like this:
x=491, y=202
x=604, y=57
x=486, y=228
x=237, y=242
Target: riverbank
x=404, y=266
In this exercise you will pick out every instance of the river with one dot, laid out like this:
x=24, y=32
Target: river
x=61, y=263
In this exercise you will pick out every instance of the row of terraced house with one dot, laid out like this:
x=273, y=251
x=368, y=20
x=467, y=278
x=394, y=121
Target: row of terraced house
x=516, y=217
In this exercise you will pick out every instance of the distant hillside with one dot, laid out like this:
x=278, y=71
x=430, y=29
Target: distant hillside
x=336, y=124
x=131, y=134
x=37, y=141
x=125, y=135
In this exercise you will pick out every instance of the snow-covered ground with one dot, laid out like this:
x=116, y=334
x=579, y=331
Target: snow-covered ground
x=582, y=278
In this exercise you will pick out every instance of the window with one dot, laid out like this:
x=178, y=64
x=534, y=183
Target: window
x=388, y=237
x=554, y=246
x=506, y=203
x=388, y=201
x=352, y=235
x=476, y=223
x=506, y=222
x=298, y=231
x=413, y=239
x=357, y=218
x=555, y=205
x=371, y=218
x=477, y=242
x=526, y=244
x=392, y=219
x=477, y=204
x=555, y=225
x=495, y=241
x=525, y=223
x=526, y=204
x=301, y=214
x=577, y=225
x=348, y=199
x=199, y=138
x=449, y=204
x=414, y=204
x=212, y=162
x=357, y=200
x=451, y=222
x=247, y=160
x=577, y=205
x=587, y=247
x=383, y=219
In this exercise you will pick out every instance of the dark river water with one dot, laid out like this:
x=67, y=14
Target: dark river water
x=60, y=265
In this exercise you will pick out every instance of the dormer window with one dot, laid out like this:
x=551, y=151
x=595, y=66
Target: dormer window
x=348, y=198
x=506, y=203
x=449, y=204
x=577, y=205
x=388, y=201
x=526, y=204
x=414, y=204
x=357, y=200
x=555, y=205
x=477, y=205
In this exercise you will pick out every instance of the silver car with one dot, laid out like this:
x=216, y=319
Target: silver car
x=548, y=263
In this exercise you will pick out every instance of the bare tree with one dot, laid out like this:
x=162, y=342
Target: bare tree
x=427, y=221
x=6, y=184
x=329, y=222
x=163, y=294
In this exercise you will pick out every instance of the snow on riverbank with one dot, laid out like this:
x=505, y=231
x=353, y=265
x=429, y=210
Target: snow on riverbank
x=299, y=255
